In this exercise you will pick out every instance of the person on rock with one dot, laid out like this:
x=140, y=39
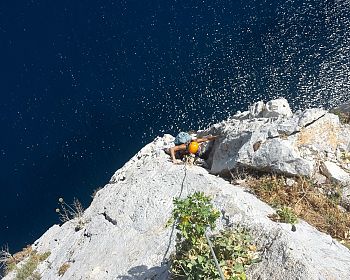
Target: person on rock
x=185, y=144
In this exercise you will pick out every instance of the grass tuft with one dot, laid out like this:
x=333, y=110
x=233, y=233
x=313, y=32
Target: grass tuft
x=285, y=215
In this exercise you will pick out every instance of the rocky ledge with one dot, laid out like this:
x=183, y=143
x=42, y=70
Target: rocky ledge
x=123, y=234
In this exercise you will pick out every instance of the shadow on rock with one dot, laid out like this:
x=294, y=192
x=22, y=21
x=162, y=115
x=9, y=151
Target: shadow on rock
x=142, y=272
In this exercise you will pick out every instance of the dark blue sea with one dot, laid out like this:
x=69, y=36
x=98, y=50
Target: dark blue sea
x=85, y=84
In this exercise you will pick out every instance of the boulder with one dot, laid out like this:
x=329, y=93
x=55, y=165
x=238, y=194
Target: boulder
x=287, y=144
x=256, y=109
x=276, y=108
x=339, y=176
x=272, y=109
x=336, y=174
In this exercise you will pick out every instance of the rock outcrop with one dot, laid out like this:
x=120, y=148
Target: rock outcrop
x=293, y=144
x=124, y=233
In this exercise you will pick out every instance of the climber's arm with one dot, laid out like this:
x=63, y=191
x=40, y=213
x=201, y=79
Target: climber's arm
x=206, y=138
x=174, y=149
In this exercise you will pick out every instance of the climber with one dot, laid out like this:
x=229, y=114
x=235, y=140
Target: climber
x=186, y=144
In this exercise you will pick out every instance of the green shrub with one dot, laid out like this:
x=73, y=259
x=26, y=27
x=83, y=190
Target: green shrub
x=193, y=259
x=193, y=215
x=287, y=215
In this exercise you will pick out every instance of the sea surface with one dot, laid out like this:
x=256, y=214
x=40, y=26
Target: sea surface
x=85, y=84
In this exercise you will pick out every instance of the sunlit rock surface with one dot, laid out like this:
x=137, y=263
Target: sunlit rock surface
x=125, y=235
x=290, y=144
x=273, y=108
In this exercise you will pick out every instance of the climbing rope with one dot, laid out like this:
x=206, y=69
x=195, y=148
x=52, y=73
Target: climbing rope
x=164, y=261
x=205, y=233
x=214, y=256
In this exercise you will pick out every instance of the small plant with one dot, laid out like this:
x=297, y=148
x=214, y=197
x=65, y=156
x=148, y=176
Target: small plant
x=287, y=215
x=345, y=156
x=193, y=259
x=67, y=212
x=26, y=270
x=9, y=261
x=194, y=215
x=63, y=268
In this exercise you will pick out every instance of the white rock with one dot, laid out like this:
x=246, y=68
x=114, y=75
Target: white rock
x=290, y=182
x=310, y=115
x=335, y=173
x=291, y=145
x=272, y=109
x=256, y=109
x=276, y=108
x=125, y=236
x=320, y=179
x=279, y=155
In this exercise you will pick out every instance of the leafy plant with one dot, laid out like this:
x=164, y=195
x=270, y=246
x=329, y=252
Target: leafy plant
x=287, y=215
x=193, y=259
x=194, y=215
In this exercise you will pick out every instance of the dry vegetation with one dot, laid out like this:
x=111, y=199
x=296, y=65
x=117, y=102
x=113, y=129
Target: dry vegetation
x=9, y=261
x=318, y=206
x=25, y=270
x=344, y=117
x=68, y=212
x=63, y=268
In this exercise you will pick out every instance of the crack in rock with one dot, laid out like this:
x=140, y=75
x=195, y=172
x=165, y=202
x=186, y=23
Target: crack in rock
x=109, y=219
x=296, y=131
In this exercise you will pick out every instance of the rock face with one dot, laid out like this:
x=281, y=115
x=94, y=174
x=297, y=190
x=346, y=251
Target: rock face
x=270, y=138
x=290, y=144
x=124, y=234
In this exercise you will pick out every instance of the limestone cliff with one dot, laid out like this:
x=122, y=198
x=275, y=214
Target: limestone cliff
x=123, y=233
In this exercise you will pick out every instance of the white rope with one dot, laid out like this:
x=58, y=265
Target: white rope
x=214, y=256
